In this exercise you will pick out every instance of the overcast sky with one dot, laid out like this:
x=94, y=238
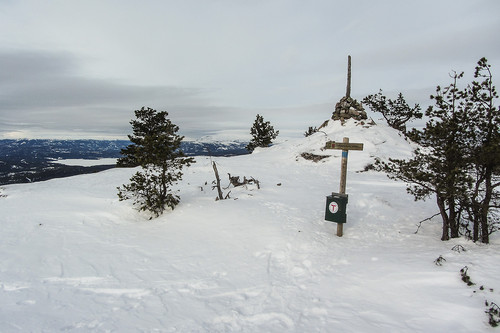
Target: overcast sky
x=79, y=68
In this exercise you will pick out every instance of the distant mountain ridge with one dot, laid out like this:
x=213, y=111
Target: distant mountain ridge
x=30, y=160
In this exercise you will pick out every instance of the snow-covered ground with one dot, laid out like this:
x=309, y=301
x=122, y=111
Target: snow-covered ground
x=86, y=162
x=74, y=258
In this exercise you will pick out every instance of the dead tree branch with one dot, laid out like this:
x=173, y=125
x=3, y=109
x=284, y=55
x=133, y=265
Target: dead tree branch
x=427, y=219
x=235, y=181
x=217, y=185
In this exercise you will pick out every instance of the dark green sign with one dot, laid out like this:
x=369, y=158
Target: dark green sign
x=335, y=210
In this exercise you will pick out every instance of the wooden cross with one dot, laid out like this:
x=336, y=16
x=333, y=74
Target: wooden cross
x=345, y=146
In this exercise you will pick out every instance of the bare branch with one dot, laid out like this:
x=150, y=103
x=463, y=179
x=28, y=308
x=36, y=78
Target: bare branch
x=427, y=219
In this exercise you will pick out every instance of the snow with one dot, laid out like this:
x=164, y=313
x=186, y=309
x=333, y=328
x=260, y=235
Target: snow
x=74, y=258
x=86, y=162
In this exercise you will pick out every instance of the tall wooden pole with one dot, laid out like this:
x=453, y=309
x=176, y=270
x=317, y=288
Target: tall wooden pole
x=348, y=89
x=343, y=181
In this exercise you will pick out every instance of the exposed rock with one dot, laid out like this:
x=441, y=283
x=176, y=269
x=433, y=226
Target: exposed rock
x=348, y=108
x=313, y=157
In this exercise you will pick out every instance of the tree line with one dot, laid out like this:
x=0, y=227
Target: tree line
x=458, y=156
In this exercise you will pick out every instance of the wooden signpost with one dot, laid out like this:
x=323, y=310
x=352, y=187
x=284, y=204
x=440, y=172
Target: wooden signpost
x=345, y=146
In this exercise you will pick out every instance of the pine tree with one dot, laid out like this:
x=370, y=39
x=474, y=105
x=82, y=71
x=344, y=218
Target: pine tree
x=263, y=134
x=438, y=167
x=156, y=149
x=128, y=159
x=458, y=159
x=483, y=151
x=310, y=131
x=396, y=112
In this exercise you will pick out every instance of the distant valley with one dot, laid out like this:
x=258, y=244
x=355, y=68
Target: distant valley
x=26, y=161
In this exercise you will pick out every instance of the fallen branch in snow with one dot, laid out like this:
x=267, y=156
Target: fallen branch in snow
x=427, y=219
x=439, y=261
x=466, y=277
x=458, y=248
x=493, y=313
x=235, y=181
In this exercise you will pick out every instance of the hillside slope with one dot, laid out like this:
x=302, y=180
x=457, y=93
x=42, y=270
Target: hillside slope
x=74, y=258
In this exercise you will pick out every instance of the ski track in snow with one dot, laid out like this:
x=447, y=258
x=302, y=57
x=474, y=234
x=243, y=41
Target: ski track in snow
x=74, y=258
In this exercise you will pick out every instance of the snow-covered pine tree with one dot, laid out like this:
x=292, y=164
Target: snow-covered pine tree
x=262, y=132
x=156, y=149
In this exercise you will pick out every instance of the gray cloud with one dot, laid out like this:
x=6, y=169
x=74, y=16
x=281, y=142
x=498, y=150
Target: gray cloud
x=40, y=90
x=41, y=96
x=81, y=68
x=45, y=80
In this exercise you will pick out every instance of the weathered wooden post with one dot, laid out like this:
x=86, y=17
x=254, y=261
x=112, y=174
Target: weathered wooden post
x=336, y=211
x=348, y=107
x=343, y=168
x=348, y=89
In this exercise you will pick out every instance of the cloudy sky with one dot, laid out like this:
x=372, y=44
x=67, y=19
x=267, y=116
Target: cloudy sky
x=79, y=68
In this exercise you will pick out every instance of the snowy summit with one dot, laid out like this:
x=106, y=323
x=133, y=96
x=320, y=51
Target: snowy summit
x=74, y=258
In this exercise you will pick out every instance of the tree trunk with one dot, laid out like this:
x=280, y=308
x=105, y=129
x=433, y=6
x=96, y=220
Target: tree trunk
x=452, y=219
x=488, y=188
x=472, y=207
x=475, y=225
x=446, y=223
x=163, y=185
x=485, y=232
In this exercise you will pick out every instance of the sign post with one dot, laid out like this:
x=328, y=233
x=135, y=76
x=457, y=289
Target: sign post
x=345, y=146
